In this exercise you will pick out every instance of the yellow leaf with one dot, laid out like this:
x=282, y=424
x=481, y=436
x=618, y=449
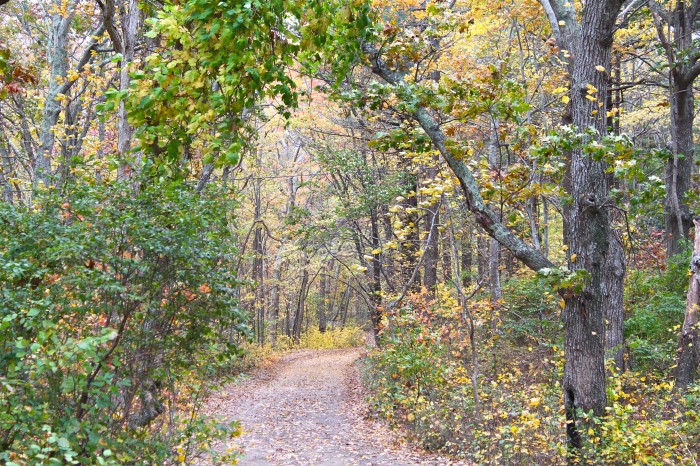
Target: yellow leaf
x=565, y=99
x=376, y=251
x=591, y=98
x=573, y=257
x=600, y=68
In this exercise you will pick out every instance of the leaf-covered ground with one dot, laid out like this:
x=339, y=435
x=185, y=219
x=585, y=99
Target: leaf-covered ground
x=308, y=409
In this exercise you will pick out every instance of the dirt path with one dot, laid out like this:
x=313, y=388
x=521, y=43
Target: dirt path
x=307, y=410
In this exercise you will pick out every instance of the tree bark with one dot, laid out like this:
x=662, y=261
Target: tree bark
x=688, y=343
x=376, y=278
x=432, y=219
x=130, y=27
x=675, y=30
x=301, y=301
x=275, y=296
x=679, y=167
x=586, y=219
x=323, y=299
x=466, y=259
x=58, y=62
x=614, y=305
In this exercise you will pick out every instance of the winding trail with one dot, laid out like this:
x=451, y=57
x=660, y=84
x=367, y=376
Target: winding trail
x=307, y=409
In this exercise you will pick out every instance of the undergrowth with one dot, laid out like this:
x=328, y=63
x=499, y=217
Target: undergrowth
x=422, y=378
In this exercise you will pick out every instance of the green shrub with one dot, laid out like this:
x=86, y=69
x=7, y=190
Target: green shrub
x=655, y=306
x=115, y=310
x=531, y=313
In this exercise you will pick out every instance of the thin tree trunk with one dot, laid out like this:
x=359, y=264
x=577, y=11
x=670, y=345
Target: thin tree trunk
x=411, y=245
x=6, y=173
x=689, y=343
x=466, y=259
x=432, y=219
x=323, y=298
x=301, y=300
x=531, y=210
x=614, y=306
x=494, y=257
x=58, y=62
x=376, y=285
x=275, y=295
x=545, y=227
x=130, y=27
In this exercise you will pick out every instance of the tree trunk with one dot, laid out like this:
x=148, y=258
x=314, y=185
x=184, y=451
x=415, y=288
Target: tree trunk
x=376, y=283
x=586, y=219
x=323, y=298
x=275, y=296
x=411, y=245
x=614, y=306
x=545, y=227
x=688, y=343
x=432, y=220
x=531, y=210
x=466, y=259
x=482, y=256
x=446, y=257
x=130, y=27
x=676, y=31
x=301, y=300
x=494, y=254
x=346, y=305
x=58, y=62
x=679, y=167
x=6, y=172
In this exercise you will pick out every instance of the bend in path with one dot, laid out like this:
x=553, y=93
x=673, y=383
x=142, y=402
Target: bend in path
x=308, y=411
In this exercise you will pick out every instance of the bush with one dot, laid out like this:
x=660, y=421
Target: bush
x=115, y=311
x=655, y=307
x=421, y=379
x=531, y=311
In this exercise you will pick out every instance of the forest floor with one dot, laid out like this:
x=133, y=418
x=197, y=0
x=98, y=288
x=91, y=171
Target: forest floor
x=307, y=408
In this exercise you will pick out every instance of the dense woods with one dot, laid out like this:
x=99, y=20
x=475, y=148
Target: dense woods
x=502, y=195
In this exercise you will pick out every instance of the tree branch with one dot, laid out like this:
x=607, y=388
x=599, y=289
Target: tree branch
x=486, y=217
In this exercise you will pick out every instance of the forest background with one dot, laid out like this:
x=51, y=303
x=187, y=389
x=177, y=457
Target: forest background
x=502, y=192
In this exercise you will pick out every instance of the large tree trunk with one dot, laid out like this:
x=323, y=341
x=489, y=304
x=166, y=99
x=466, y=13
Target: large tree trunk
x=675, y=29
x=679, y=168
x=689, y=344
x=586, y=219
